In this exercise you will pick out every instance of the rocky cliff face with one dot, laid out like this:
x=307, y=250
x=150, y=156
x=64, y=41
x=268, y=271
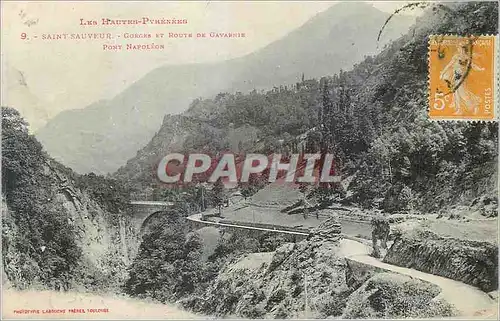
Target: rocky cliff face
x=429, y=248
x=276, y=284
x=60, y=230
x=311, y=279
x=104, y=239
x=389, y=295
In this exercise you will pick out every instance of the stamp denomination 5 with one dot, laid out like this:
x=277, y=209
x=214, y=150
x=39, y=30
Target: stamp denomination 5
x=462, y=77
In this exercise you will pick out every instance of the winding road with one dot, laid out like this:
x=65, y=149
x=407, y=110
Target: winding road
x=470, y=301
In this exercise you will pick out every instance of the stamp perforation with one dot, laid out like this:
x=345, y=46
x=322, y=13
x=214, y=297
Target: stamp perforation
x=462, y=96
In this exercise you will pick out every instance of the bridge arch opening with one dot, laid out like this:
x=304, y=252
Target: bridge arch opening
x=149, y=219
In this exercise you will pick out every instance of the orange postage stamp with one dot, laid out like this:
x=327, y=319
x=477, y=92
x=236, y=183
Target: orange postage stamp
x=462, y=77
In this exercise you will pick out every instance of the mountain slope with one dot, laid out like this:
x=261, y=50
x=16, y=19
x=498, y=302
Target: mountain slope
x=377, y=115
x=102, y=136
x=59, y=229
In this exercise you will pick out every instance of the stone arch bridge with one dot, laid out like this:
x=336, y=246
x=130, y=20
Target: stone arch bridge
x=145, y=211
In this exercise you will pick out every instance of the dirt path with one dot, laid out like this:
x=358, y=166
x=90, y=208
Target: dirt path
x=38, y=305
x=469, y=300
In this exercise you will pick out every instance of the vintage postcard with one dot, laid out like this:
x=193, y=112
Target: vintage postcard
x=249, y=160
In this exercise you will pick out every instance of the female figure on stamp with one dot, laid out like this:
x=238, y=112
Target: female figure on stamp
x=455, y=75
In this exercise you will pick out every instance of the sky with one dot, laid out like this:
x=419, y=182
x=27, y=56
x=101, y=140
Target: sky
x=69, y=74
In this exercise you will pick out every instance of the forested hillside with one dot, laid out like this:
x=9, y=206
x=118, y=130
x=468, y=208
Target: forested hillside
x=59, y=229
x=373, y=118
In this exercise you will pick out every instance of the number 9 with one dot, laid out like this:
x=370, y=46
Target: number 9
x=23, y=35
